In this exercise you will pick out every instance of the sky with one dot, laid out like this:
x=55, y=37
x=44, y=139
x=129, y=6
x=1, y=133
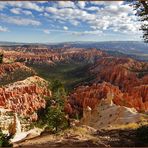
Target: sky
x=50, y=22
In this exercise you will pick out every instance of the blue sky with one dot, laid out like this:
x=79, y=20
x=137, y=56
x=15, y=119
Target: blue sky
x=68, y=21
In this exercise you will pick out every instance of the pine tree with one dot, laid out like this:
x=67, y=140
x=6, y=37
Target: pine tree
x=142, y=11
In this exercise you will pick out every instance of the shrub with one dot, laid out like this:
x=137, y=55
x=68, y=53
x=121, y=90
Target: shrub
x=53, y=115
x=56, y=119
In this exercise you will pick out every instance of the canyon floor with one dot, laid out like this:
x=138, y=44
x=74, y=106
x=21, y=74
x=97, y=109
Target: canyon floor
x=70, y=74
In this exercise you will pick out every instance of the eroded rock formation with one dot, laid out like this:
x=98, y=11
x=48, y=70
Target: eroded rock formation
x=38, y=55
x=107, y=114
x=25, y=97
x=124, y=77
x=8, y=68
x=123, y=72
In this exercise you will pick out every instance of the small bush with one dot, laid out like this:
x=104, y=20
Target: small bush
x=53, y=116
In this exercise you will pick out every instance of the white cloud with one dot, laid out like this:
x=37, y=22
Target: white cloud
x=81, y=4
x=19, y=20
x=111, y=16
x=65, y=28
x=51, y=10
x=66, y=4
x=74, y=22
x=2, y=6
x=46, y=31
x=20, y=11
x=93, y=8
x=99, y=16
x=26, y=12
x=25, y=5
x=107, y=3
x=15, y=10
x=3, y=29
x=88, y=33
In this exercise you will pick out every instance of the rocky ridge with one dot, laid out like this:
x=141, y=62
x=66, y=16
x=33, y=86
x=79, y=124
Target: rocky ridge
x=25, y=97
x=109, y=115
x=91, y=96
x=37, y=55
x=10, y=72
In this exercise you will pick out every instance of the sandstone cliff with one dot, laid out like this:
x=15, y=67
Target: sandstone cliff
x=109, y=115
x=91, y=96
x=25, y=97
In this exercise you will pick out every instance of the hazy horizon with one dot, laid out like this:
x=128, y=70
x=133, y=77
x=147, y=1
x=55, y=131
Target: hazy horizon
x=70, y=42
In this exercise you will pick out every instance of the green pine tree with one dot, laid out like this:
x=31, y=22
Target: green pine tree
x=142, y=11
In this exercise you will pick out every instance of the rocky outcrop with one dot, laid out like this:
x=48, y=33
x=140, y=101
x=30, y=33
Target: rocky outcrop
x=91, y=96
x=25, y=97
x=129, y=84
x=6, y=118
x=38, y=55
x=8, y=68
x=107, y=114
x=10, y=72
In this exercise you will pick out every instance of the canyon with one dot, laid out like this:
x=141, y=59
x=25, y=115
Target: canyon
x=113, y=94
x=119, y=76
x=25, y=97
x=35, y=54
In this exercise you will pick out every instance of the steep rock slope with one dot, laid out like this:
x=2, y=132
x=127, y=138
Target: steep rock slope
x=25, y=97
x=123, y=72
x=10, y=72
x=129, y=75
x=90, y=96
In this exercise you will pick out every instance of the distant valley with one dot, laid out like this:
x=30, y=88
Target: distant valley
x=134, y=49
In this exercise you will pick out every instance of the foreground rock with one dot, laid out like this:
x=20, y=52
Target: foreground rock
x=74, y=137
x=85, y=136
x=109, y=115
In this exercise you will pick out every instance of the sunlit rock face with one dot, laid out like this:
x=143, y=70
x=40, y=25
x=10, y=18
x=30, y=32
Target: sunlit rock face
x=123, y=72
x=11, y=123
x=109, y=115
x=25, y=97
x=124, y=77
